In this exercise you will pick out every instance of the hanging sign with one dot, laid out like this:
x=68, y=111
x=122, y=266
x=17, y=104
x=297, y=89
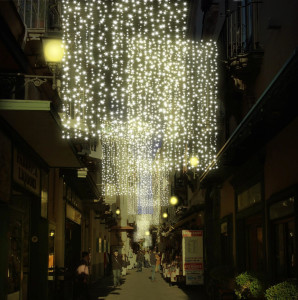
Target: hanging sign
x=192, y=255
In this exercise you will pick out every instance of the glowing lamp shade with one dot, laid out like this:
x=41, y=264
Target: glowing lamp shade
x=173, y=200
x=118, y=211
x=194, y=161
x=53, y=50
x=164, y=215
x=147, y=233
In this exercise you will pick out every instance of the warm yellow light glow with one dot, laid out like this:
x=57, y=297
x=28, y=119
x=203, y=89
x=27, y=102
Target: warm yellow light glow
x=117, y=211
x=53, y=50
x=173, y=200
x=147, y=233
x=194, y=161
x=164, y=215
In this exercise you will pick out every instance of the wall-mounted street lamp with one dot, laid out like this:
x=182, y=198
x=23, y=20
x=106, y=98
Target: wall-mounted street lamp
x=164, y=215
x=194, y=161
x=173, y=200
x=52, y=233
x=147, y=233
x=118, y=211
x=53, y=52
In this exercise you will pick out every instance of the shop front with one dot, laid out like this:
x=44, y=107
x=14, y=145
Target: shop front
x=23, y=215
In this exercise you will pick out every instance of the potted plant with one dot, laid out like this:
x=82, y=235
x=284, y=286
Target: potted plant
x=286, y=290
x=248, y=286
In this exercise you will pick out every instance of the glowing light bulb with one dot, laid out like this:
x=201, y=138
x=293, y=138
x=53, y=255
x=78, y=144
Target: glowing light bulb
x=173, y=200
x=194, y=161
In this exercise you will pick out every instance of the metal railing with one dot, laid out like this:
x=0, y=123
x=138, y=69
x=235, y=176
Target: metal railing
x=40, y=15
x=242, y=27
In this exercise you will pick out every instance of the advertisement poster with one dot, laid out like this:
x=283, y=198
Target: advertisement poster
x=192, y=252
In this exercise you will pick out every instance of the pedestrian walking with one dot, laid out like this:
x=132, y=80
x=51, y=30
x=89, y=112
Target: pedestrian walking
x=153, y=264
x=116, y=266
x=140, y=259
x=157, y=256
x=147, y=259
x=81, y=291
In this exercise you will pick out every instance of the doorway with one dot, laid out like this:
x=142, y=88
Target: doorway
x=284, y=248
x=250, y=243
x=72, y=246
x=254, y=244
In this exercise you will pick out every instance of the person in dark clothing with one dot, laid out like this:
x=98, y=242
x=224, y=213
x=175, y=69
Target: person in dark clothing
x=153, y=264
x=140, y=259
x=116, y=266
x=81, y=291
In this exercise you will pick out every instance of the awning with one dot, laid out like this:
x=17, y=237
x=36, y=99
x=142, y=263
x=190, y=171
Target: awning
x=38, y=125
x=186, y=220
x=123, y=228
x=180, y=223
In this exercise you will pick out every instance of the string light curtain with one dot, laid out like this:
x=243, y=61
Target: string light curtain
x=131, y=78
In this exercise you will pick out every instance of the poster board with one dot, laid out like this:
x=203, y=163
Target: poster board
x=192, y=256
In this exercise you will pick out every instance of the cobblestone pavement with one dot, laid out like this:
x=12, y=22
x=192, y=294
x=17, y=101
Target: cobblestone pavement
x=138, y=286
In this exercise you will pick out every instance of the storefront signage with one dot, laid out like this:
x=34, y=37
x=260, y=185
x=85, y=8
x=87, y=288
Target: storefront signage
x=26, y=173
x=192, y=255
x=73, y=214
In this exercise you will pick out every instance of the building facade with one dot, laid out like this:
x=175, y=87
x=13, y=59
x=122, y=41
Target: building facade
x=50, y=200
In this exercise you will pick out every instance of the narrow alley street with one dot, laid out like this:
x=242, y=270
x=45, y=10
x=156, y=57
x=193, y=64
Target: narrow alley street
x=138, y=285
x=148, y=133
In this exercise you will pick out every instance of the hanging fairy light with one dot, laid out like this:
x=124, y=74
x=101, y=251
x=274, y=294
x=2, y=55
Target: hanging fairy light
x=131, y=78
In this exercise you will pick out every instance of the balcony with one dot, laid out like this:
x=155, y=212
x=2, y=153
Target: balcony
x=243, y=52
x=39, y=16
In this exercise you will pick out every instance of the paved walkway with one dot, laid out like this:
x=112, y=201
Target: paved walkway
x=138, y=286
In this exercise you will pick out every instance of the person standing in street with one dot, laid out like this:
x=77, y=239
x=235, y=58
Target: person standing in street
x=140, y=259
x=116, y=266
x=81, y=291
x=153, y=264
x=157, y=256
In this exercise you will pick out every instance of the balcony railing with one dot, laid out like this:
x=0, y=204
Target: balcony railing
x=242, y=29
x=40, y=15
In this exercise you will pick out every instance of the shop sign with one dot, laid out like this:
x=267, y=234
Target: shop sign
x=73, y=215
x=192, y=255
x=26, y=173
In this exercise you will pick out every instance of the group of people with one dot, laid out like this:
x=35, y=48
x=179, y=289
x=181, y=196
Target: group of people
x=81, y=280
x=149, y=258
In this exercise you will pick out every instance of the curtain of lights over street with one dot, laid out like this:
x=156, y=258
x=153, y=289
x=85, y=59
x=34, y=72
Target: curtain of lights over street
x=133, y=80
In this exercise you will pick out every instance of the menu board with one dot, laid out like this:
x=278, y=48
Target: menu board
x=192, y=255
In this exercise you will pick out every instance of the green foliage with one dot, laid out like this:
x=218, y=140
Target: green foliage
x=282, y=291
x=248, y=286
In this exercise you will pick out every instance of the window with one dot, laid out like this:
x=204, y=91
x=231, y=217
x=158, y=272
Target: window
x=249, y=197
